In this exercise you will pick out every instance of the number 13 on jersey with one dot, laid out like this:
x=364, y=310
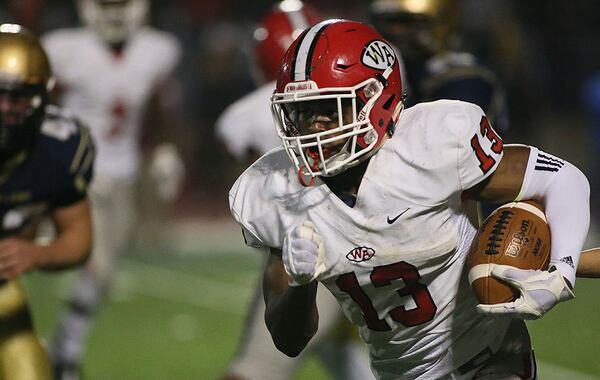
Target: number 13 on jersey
x=486, y=161
x=381, y=277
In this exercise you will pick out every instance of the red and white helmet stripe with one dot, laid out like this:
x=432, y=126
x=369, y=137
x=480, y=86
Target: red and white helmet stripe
x=302, y=62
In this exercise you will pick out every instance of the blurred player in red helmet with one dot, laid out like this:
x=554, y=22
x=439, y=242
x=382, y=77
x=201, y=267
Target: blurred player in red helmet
x=246, y=132
x=111, y=72
x=367, y=198
x=246, y=129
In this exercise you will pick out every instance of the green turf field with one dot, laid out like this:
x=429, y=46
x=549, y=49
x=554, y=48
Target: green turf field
x=178, y=317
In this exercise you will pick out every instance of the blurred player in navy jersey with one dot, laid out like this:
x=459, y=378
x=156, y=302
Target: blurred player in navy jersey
x=246, y=129
x=426, y=33
x=111, y=72
x=46, y=160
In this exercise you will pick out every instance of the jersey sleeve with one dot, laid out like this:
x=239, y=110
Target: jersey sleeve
x=74, y=154
x=243, y=209
x=251, y=240
x=257, y=201
x=480, y=147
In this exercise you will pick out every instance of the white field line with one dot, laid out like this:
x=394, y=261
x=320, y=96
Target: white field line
x=549, y=371
x=174, y=286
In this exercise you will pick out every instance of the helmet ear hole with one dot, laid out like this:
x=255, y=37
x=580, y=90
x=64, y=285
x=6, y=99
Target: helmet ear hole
x=388, y=103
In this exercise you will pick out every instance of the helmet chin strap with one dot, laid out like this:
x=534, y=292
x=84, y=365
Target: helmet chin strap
x=302, y=174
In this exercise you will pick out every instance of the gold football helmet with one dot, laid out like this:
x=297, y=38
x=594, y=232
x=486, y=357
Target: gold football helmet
x=425, y=25
x=25, y=80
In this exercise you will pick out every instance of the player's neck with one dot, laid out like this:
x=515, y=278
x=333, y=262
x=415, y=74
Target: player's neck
x=348, y=181
x=117, y=49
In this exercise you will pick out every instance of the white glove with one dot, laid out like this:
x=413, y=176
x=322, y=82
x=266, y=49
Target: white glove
x=540, y=292
x=303, y=254
x=167, y=171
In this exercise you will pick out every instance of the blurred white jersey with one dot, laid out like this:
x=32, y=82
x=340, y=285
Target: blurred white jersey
x=248, y=125
x=109, y=92
x=394, y=260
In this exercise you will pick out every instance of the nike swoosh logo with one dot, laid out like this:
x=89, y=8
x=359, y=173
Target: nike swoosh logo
x=391, y=221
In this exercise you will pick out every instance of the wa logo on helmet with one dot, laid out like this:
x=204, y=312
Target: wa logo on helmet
x=378, y=55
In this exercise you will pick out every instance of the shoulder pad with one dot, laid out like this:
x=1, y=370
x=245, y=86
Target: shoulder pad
x=67, y=142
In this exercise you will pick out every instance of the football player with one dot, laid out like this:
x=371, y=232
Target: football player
x=246, y=129
x=46, y=159
x=367, y=198
x=110, y=72
x=426, y=32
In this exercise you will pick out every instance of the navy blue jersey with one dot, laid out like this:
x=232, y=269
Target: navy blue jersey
x=54, y=174
x=459, y=76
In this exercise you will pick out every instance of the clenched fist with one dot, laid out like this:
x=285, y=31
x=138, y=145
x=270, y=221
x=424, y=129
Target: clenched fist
x=303, y=254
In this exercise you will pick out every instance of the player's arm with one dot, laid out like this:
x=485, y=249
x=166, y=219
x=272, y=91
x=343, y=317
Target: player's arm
x=291, y=311
x=527, y=173
x=563, y=190
x=71, y=246
x=589, y=263
x=290, y=288
x=163, y=127
x=506, y=182
x=164, y=131
x=73, y=242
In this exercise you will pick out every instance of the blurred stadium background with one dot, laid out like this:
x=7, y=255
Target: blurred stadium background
x=182, y=292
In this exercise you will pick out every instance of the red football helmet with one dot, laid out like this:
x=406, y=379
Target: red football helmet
x=277, y=30
x=337, y=72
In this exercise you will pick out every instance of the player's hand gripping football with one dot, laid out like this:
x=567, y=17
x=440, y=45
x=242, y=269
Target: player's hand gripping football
x=540, y=291
x=303, y=254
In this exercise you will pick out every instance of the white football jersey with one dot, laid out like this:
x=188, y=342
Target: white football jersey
x=394, y=260
x=247, y=124
x=108, y=92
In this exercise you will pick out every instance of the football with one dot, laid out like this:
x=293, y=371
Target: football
x=515, y=234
